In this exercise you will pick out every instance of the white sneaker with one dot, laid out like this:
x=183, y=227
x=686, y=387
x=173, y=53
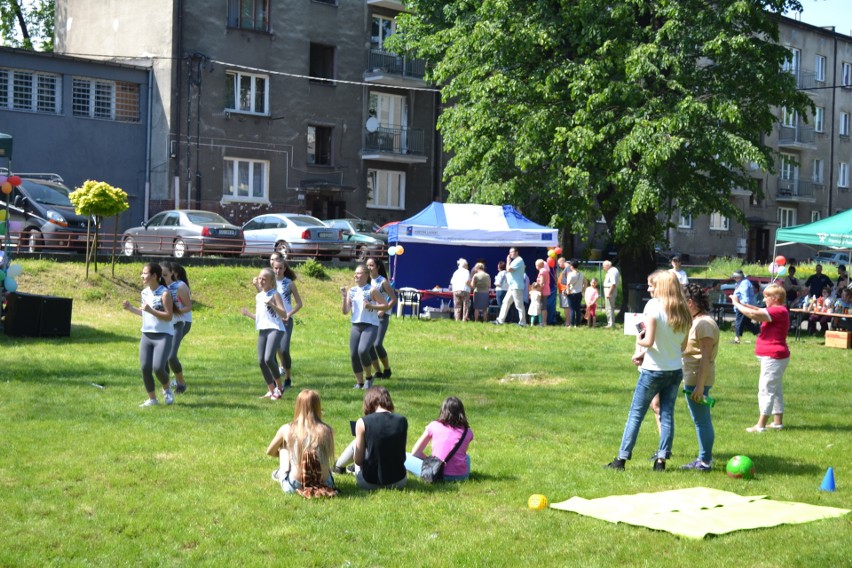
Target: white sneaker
x=358, y=386
x=168, y=396
x=149, y=402
x=281, y=370
x=276, y=394
x=368, y=384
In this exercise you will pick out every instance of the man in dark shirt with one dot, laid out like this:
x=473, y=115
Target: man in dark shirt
x=816, y=282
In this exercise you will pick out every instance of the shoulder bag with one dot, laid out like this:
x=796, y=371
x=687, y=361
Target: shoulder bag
x=432, y=470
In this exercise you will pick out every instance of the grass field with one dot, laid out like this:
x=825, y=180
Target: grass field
x=88, y=478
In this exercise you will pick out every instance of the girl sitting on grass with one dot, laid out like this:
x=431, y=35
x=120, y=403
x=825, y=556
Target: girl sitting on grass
x=445, y=433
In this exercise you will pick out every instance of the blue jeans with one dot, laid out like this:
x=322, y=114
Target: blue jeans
x=575, y=313
x=650, y=383
x=744, y=324
x=414, y=465
x=703, y=427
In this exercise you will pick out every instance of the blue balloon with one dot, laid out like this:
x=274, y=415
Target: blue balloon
x=10, y=284
x=15, y=270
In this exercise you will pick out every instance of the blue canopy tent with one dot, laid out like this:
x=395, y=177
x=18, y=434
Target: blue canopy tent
x=434, y=239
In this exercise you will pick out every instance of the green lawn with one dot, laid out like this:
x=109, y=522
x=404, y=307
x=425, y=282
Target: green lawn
x=89, y=478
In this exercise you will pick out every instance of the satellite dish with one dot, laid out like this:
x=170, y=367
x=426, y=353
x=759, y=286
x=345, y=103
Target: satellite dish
x=372, y=124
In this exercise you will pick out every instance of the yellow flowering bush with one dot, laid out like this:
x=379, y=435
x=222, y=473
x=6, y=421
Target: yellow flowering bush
x=98, y=198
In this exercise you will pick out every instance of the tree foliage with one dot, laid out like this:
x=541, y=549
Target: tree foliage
x=27, y=24
x=573, y=109
x=99, y=199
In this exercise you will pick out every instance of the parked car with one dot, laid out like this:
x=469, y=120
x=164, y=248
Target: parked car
x=363, y=238
x=833, y=257
x=184, y=232
x=41, y=216
x=292, y=234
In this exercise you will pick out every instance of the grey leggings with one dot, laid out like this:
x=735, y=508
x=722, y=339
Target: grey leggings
x=362, y=337
x=284, y=349
x=268, y=341
x=154, y=351
x=378, y=350
x=181, y=330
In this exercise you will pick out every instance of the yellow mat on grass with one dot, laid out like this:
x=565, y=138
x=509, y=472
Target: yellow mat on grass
x=698, y=511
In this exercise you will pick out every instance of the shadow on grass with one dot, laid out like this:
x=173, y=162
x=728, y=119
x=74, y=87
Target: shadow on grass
x=766, y=463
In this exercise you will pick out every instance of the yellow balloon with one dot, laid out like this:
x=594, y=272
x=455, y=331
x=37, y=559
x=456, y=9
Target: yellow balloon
x=537, y=502
x=6, y=188
x=399, y=250
x=2, y=215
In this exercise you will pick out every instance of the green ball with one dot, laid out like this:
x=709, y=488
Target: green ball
x=740, y=467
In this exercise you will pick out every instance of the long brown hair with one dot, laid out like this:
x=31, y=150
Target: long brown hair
x=668, y=290
x=308, y=431
x=452, y=413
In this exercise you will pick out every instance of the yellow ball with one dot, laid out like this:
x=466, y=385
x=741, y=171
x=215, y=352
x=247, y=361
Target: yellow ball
x=537, y=502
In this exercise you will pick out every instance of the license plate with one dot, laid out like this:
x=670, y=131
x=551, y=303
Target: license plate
x=324, y=235
x=227, y=232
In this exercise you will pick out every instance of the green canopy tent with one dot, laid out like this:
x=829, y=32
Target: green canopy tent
x=833, y=232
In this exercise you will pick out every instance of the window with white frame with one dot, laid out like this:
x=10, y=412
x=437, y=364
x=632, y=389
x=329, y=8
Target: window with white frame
x=786, y=217
x=819, y=68
x=815, y=216
x=788, y=117
x=846, y=74
x=819, y=119
x=109, y=100
x=816, y=175
x=246, y=92
x=249, y=15
x=791, y=64
x=385, y=189
x=789, y=171
x=29, y=91
x=380, y=30
x=843, y=175
x=685, y=221
x=719, y=222
x=844, y=124
x=245, y=180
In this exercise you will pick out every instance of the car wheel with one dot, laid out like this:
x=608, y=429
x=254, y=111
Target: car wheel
x=179, y=249
x=283, y=249
x=30, y=241
x=129, y=247
x=361, y=253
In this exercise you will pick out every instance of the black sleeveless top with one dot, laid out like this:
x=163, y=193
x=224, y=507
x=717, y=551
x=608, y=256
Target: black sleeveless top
x=385, y=434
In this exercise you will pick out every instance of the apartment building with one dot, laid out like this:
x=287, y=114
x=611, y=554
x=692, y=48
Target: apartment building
x=812, y=178
x=262, y=105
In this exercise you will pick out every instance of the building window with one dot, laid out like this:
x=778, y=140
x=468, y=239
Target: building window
x=819, y=119
x=844, y=124
x=322, y=61
x=788, y=117
x=786, y=217
x=249, y=15
x=791, y=64
x=34, y=92
x=719, y=222
x=385, y=189
x=382, y=28
x=816, y=177
x=246, y=92
x=819, y=68
x=319, y=145
x=245, y=180
x=109, y=100
x=846, y=74
x=755, y=200
x=789, y=170
x=685, y=221
x=815, y=216
x=843, y=175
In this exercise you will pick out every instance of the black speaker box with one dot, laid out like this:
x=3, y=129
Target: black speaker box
x=29, y=315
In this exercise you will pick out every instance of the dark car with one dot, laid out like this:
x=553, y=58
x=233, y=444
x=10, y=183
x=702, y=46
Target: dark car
x=183, y=232
x=363, y=238
x=41, y=216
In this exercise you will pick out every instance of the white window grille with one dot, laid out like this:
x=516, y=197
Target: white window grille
x=30, y=91
x=109, y=100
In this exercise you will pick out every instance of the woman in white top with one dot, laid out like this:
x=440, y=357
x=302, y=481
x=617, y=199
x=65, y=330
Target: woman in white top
x=156, y=310
x=460, y=285
x=269, y=317
x=178, y=283
x=659, y=345
x=285, y=283
x=364, y=302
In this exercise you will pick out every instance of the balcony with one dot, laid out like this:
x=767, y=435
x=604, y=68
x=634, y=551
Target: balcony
x=804, y=79
x=396, y=5
x=795, y=191
x=388, y=68
x=798, y=136
x=394, y=144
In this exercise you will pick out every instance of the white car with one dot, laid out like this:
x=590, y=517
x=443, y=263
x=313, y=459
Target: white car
x=833, y=257
x=291, y=235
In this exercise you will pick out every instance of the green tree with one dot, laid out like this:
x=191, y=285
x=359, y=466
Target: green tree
x=96, y=200
x=626, y=109
x=27, y=24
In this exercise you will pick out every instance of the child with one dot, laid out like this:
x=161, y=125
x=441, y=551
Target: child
x=534, y=310
x=592, y=302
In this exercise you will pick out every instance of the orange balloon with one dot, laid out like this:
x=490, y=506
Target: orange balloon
x=6, y=187
x=551, y=262
x=780, y=260
x=558, y=250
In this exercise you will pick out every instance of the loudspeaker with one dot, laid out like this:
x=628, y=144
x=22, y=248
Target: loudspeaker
x=29, y=315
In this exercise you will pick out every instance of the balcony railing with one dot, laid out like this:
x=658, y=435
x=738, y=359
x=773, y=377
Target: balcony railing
x=389, y=62
x=795, y=189
x=395, y=140
x=799, y=135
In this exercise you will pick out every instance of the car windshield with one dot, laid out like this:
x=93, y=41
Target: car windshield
x=46, y=194
x=202, y=217
x=305, y=221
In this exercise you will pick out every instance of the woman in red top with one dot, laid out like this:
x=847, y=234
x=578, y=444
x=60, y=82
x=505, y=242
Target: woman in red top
x=772, y=351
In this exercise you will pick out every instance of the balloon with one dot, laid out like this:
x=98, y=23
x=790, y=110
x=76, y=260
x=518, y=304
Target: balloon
x=2, y=179
x=780, y=260
x=551, y=253
x=6, y=188
x=14, y=180
x=392, y=251
x=2, y=215
x=551, y=262
x=10, y=284
x=399, y=250
x=558, y=250
x=782, y=271
x=15, y=270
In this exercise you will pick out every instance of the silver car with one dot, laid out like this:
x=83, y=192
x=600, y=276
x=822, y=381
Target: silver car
x=292, y=235
x=183, y=232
